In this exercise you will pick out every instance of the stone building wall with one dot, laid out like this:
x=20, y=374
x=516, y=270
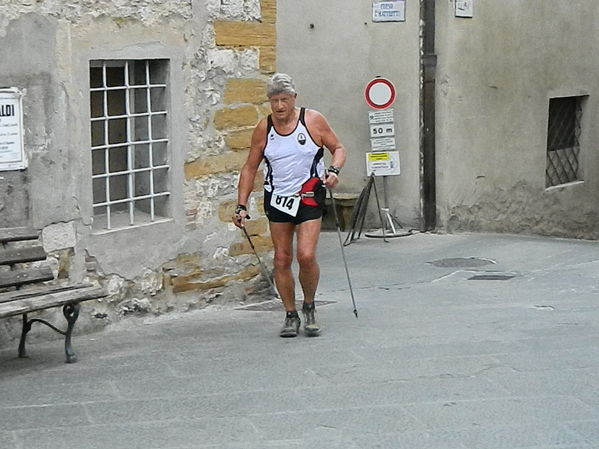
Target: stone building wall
x=221, y=54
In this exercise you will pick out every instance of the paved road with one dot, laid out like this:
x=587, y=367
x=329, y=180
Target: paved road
x=495, y=345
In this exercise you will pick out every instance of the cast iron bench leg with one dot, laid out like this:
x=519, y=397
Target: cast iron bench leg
x=26, y=328
x=71, y=313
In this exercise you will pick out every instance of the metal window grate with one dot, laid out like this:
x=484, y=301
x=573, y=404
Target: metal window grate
x=563, y=136
x=129, y=142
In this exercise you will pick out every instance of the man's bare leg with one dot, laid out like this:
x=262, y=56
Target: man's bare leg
x=309, y=271
x=309, y=274
x=282, y=239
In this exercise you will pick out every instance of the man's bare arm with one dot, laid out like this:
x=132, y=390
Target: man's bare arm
x=248, y=171
x=328, y=139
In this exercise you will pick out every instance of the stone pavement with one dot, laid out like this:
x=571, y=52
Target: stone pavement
x=495, y=345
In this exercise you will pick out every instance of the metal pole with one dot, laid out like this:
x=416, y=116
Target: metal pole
x=351, y=291
x=262, y=267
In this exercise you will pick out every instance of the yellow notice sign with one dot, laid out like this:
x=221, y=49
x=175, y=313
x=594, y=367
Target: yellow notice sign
x=378, y=157
x=382, y=163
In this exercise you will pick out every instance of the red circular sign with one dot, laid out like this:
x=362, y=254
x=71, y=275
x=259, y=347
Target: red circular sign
x=379, y=93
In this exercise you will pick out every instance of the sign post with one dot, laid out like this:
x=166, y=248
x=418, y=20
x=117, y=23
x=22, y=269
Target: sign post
x=383, y=160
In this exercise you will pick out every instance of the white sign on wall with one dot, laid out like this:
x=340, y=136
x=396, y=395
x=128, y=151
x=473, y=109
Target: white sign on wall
x=383, y=163
x=382, y=130
x=389, y=11
x=382, y=116
x=12, y=152
x=464, y=8
x=383, y=144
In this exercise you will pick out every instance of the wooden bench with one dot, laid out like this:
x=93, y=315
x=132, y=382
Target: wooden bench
x=18, y=248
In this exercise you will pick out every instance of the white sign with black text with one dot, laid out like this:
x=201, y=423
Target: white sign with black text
x=12, y=153
x=389, y=11
x=383, y=163
x=382, y=116
x=383, y=144
x=382, y=130
x=464, y=8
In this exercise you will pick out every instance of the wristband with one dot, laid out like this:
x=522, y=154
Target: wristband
x=333, y=169
x=239, y=208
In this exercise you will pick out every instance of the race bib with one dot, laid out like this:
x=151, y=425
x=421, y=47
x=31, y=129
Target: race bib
x=287, y=204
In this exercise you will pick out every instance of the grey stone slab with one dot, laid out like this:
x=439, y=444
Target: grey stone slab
x=17, y=394
x=334, y=423
x=82, y=372
x=589, y=396
x=504, y=411
x=36, y=417
x=165, y=435
x=403, y=352
x=572, y=382
x=367, y=393
x=589, y=429
x=523, y=436
x=411, y=440
x=193, y=407
x=7, y=440
x=549, y=360
x=172, y=386
x=568, y=446
x=561, y=342
x=381, y=371
x=286, y=357
x=304, y=443
x=220, y=379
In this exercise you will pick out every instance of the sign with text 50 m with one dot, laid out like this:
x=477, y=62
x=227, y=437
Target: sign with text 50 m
x=12, y=152
x=389, y=11
x=382, y=130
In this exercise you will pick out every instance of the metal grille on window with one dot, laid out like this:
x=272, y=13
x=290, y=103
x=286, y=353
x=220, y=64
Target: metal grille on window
x=563, y=135
x=129, y=142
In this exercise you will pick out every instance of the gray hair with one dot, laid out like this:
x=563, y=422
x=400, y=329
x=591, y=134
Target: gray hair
x=280, y=83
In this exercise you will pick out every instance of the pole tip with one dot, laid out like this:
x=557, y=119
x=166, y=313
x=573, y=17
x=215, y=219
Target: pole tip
x=356, y=313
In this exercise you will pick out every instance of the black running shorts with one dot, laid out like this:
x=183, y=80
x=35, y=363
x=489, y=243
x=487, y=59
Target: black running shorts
x=304, y=212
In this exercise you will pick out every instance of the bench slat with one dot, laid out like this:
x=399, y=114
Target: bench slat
x=36, y=291
x=20, y=277
x=22, y=255
x=47, y=301
x=16, y=234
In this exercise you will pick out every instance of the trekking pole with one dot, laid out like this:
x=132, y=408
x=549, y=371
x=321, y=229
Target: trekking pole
x=351, y=291
x=262, y=267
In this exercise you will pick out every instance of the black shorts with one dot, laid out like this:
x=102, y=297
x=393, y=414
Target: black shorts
x=304, y=213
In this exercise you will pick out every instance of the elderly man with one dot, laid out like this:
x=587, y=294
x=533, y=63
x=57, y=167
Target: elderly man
x=291, y=143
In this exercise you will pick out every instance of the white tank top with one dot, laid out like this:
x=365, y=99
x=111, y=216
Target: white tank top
x=291, y=159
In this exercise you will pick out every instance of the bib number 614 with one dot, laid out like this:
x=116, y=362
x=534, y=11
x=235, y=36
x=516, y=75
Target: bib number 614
x=287, y=204
x=285, y=201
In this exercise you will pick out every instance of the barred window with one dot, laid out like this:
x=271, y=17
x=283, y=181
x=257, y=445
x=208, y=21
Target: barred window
x=129, y=142
x=563, y=145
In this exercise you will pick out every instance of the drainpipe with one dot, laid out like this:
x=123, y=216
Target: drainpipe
x=428, y=65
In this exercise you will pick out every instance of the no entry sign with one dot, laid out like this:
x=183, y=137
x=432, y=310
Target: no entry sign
x=379, y=93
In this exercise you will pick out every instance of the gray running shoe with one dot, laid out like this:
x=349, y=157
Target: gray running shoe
x=311, y=327
x=291, y=326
